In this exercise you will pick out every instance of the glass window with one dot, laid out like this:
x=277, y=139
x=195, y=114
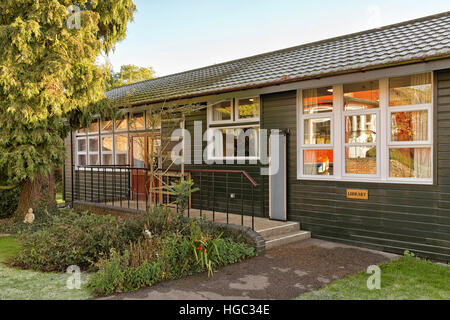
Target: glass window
x=93, y=160
x=121, y=147
x=318, y=162
x=82, y=160
x=318, y=100
x=222, y=111
x=361, y=160
x=236, y=142
x=248, y=108
x=410, y=163
x=410, y=90
x=153, y=120
x=361, y=128
x=107, y=159
x=93, y=144
x=317, y=131
x=94, y=127
x=107, y=144
x=121, y=124
x=107, y=125
x=137, y=121
x=361, y=96
x=409, y=126
x=81, y=143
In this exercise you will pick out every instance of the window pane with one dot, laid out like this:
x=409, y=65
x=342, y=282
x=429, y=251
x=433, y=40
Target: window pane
x=94, y=127
x=361, y=96
x=122, y=123
x=410, y=90
x=107, y=159
x=242, y=142
x=318, y=162
x=410, y=163
x=81, y=145
x=318, y=100
x=410, y=126
x=107, y=125
x=137, y=121
x=248, y=108
x=361, y=160
x=153, y=120
x=318, y=131
x=222, y=111
x=121, y=159
x=93, y=159
x=82, y=160
x=93, y=144
x=361, y=129
x=107, y=144
x=121, y=144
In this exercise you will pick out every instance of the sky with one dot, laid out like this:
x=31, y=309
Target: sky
x=178, y=35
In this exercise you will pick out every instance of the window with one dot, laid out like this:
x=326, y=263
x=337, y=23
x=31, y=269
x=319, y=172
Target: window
x=236, y=143
x=81, y=151
x=93, y=151
x=153, y=120
x=361, y=109
x=94, y=127
x=121, y=150
x=368, y=131
x=222, y=111
x=107, y=125
x=137, y=121
x=231, y=133
x=107, y=151
x=248, y=109
x=317, y=137
x=410, y=138
x=121, y=124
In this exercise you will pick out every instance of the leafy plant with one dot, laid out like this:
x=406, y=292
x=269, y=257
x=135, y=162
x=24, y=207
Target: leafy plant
x=182, y=190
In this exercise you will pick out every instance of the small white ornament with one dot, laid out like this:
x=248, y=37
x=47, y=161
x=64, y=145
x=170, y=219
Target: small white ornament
x=148, y=233
x=29, y=218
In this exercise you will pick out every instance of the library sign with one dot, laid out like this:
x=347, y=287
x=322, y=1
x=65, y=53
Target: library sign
x=358, y=194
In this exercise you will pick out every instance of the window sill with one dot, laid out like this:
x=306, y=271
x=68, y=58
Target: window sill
x=367, y=180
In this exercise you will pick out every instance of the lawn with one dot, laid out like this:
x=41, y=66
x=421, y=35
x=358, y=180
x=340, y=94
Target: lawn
x=408, y=278
x=16, y=284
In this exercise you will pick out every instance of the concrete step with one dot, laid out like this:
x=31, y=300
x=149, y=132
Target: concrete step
x=279, y=230
x=280, y=240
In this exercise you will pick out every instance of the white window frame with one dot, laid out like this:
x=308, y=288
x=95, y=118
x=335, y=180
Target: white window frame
x=236, y=111
x=383, y=144
x=81, y=153
x=89, y=137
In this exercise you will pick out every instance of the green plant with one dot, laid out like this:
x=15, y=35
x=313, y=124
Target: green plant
x=182, y=191
x=74, y=239
x=8, y=202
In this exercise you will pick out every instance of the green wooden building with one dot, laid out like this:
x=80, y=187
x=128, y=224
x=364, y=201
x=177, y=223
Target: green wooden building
x=366, y=120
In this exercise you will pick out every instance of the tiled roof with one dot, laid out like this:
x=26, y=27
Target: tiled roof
x=401, y=43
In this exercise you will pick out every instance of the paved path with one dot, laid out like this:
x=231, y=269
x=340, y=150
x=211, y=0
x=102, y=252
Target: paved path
x=281, y=273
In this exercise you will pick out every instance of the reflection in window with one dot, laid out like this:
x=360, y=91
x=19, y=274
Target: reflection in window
x=318, y=100
x=410, y=163
x=121, y=150
x=410, y=90
x=94, y=126
x=318, y=131
x=107, y=125
x=222, y=111
x=93, y=144
x=361, y=96
x=361, y=160
x=137, y=121
x=409, y=126
x=81, y=145
x=318, y=162
x=361, y=128
x=121, y=124
x=236, y=142
x=107, y=151
x=82, y=160
x=248, y=108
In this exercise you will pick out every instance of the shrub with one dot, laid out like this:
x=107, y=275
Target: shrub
x=74, y=239
x=172, y=256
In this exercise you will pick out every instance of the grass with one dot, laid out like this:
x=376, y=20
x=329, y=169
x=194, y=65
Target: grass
x=408, y=278
x=59, y=198
x=16, y=284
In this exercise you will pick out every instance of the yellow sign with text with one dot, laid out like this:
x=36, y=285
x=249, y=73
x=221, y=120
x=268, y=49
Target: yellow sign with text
x=358, y=194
